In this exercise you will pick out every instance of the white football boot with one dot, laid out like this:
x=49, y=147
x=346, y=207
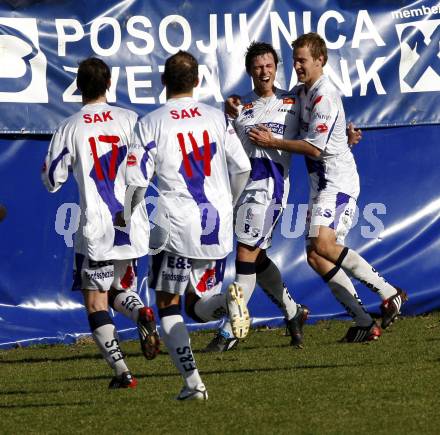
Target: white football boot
x=198, y=393
x=238, y=312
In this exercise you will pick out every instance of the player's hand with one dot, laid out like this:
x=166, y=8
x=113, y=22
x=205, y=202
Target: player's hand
x=119, y=219
x=262, y=136
x=232, y=104
x=354, y=134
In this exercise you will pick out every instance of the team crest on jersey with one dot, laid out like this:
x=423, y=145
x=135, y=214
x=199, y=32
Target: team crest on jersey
x=24, y=78
x=131, y=160
x=419, y=69
x=288, y=100
x=321, y=128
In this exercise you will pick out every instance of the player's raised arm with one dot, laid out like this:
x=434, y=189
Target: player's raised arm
x=263, y=137
x=56, y=165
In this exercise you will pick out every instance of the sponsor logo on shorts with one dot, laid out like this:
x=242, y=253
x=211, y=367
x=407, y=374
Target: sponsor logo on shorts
x=99, y=275
x=169, y=276
x=207, y=281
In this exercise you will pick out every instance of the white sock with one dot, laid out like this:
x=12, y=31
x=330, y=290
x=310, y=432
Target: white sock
x=176, y=339
x=271, y=282
x=344, y=291
x=128, y=304
x=106, y=338
x=356, y=266
x=211, y=307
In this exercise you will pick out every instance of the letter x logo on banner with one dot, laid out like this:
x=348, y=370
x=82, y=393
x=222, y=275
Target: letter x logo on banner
x=419, y=69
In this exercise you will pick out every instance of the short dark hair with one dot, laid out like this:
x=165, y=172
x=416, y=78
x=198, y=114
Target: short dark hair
x=315, y=43
x=93, y=78
x=181, y=72
x=258, y=49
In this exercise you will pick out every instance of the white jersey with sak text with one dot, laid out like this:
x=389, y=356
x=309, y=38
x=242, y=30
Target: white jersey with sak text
x=93, y=144
x=322, y=123
x=192, y=148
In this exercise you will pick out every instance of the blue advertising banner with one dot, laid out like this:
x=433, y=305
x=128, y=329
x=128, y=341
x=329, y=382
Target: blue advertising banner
x=383, y=56
x=397, y=232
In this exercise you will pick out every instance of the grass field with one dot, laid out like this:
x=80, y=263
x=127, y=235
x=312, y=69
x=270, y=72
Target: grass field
x=264, y=387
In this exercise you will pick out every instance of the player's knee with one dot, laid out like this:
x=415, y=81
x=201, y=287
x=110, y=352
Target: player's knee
x=190, y=303
x=112, y=296
x=95, y=306
x=312, y=258
x=322, y=247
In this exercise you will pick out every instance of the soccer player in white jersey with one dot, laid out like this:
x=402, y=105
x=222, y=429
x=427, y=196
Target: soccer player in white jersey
x=93, y=143
x=260, y=206
x=201, y=168
x=334, y=188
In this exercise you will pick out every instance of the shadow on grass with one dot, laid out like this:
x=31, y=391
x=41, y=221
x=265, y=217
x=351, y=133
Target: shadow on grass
x=88, y=356
x=228, y=371
x=44, y=405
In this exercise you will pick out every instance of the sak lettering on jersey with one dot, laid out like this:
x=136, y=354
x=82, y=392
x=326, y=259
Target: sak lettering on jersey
x=104, y=117
x=182, y=114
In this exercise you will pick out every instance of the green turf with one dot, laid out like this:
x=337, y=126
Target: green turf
x=264, y=387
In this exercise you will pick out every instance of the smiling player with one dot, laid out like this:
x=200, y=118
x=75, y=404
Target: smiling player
x=265, y=196
x=334, y=188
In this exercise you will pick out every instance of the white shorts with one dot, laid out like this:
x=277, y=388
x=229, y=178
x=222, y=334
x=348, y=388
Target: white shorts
x=255, y=222
x=172, y=273
x=334, y=211
x=102, y=275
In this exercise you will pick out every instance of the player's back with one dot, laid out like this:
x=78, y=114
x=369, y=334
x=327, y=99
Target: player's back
x=94, y=143
x=191, y=164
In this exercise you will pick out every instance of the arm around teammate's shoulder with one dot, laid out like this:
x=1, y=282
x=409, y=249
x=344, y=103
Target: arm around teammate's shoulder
x=264, y=138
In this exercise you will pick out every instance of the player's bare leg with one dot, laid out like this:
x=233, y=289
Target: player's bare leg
x=106, y=338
